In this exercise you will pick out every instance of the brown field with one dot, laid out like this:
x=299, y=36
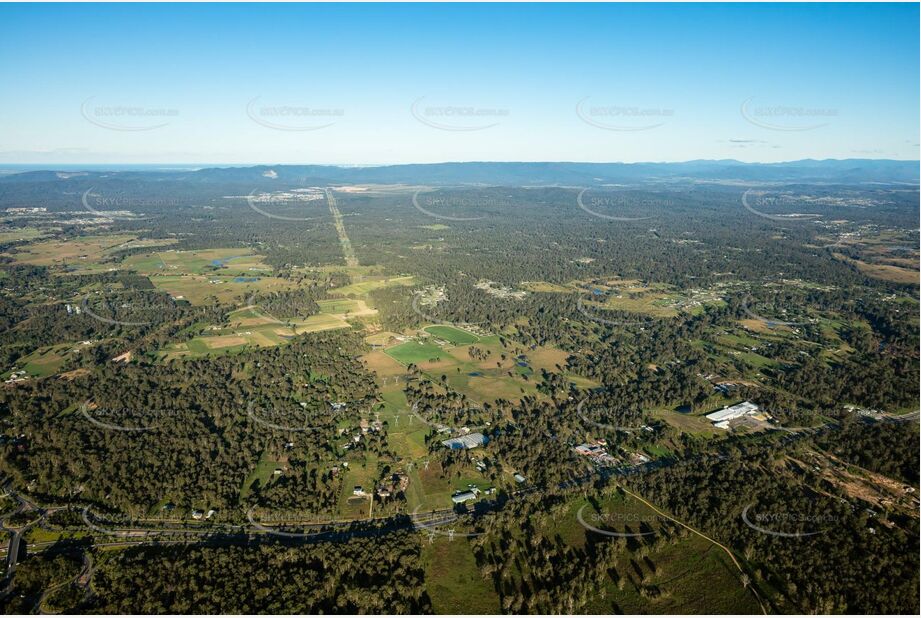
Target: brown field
x=760, y=326
x=886, y=272
x=75, y=251
x=319, y=322
x=252, y=321
x=381, y=338
x=224, y=341
x=76, y=373
x=547, y=358
x=383, y=365
x=262, y=340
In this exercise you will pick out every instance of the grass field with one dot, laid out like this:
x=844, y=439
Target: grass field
x=19, y=234
x=198, y=288
x=45, y=361
x=694, y=424
x=762, y=327
x=346, y=307
x=80, y=251
x=685, y=575
x=453, y=581
x=452, y=334
x=368, y=284
x=262, y=473
x=635, y=297
x=250, y=327
x=405, y=432
x=216, y=262
x=415, y=352
x=887, y=272
x=482, y=380
x=363, y=474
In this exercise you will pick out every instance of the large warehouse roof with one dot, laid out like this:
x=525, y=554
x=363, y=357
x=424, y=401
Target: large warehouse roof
x=746, y=408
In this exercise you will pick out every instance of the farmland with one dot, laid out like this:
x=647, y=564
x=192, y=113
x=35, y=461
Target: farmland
x=252, y=327
x=499, y=326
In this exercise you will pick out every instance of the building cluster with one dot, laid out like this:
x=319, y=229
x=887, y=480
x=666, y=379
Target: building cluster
x=26, y=211
x=364, y=427
x=500, y=291
x=596, y=452
x=397, y=483
x=18, y=375
x=471, y=493
x=721, y=418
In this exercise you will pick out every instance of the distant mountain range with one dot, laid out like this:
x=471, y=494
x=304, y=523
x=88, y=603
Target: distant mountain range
x=846, y=171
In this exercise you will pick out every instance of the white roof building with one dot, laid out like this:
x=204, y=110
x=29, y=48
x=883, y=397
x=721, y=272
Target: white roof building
x=746, y=408
x=470, y=440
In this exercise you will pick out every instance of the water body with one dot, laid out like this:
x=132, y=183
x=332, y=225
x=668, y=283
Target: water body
x=221, y=262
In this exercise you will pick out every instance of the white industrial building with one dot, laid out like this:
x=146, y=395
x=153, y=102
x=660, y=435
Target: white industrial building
x=722, y=417
x=464, y=496
x=471, y=440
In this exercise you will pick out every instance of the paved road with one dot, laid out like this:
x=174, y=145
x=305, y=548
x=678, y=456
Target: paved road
x=12, y=552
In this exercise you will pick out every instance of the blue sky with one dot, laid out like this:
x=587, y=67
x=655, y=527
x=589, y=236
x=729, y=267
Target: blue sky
x=373, y=84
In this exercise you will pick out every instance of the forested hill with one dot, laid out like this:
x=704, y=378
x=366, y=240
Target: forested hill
x=513, y=173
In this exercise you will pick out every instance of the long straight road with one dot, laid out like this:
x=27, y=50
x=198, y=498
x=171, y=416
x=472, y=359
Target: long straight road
x=347, y=251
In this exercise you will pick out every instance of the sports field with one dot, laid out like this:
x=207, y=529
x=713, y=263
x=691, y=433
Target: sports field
x=452, y=334
x=415, y=352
